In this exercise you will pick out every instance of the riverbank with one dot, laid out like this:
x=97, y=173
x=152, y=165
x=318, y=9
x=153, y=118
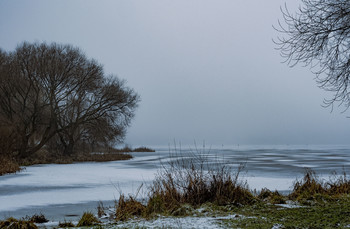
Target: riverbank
x=310, y=205
x=11, y=165
x=79, y=187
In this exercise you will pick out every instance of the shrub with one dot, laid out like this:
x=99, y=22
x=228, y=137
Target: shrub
x=143, y=149
x=88, y=219
x=8, y=165
x=36, y=218
x=101, y=157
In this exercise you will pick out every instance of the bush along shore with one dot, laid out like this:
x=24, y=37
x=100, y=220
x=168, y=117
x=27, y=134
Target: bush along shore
x=13, y=165
x=195, y=189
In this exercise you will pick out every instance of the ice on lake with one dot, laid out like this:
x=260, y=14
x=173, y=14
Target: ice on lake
x=63, y=191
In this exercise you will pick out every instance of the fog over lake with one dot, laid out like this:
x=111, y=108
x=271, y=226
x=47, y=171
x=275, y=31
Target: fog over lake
x=205, y=70
x=210, y=80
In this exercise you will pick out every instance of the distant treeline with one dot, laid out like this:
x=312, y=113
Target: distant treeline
x=55, y=102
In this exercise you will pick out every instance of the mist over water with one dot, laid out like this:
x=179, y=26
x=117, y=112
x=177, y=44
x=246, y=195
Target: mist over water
x=64, y=191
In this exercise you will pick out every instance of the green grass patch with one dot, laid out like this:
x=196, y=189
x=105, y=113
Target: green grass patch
x=334, y=214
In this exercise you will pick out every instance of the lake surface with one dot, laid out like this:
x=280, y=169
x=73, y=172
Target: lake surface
x=64, y=192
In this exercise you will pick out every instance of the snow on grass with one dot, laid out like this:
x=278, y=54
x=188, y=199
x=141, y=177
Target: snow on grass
x=177, y=222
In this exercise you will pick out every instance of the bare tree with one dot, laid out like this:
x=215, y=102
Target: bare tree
x=21, y=103
x=50, y=90
x=101, y=115
x=318, y=35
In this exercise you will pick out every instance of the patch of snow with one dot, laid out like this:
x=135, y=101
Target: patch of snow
x=176, y=222
x=277, y=226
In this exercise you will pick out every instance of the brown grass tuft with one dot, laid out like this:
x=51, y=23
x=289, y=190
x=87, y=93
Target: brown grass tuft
x=12, y=223
x=8, y=165
x=308, y=187
x=195, y=181
x=128, y=208
x=88, y=219
x=271, y=197
x=312, y=188
x=339, y=185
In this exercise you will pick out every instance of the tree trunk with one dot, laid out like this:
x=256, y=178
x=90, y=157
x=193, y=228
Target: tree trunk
x=69, y=148
x=23, y=148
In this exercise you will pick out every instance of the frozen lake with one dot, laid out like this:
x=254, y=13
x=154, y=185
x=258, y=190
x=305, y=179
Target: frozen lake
x=66, y=191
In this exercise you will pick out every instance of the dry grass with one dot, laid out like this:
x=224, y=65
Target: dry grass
x=12, y=223
x=65, y=224
x=339, y=185
x=88, y=219
x=44, y=157
x=100, y=210
x=311, y=188
x=128, y=149
x=271, y=197
x=307, y=187
x=143, y=149
x=128, y=208
x=8, y=165
x=188, y=182
x=197, y=181
x=102, y=157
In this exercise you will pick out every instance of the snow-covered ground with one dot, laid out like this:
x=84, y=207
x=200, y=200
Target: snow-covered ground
x=66, y=191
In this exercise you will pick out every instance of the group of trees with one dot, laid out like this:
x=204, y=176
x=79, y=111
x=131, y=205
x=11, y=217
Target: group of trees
x=53, y=97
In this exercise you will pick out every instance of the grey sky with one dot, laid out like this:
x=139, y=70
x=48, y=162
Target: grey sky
x=205, y=70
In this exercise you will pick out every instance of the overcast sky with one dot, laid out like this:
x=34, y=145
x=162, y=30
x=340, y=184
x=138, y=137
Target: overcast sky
x=205, y=70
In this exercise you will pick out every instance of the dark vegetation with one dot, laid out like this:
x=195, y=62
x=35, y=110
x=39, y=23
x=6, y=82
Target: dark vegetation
x=38, y=218
x=57, y=103
x=128, y=149
x=11, y=165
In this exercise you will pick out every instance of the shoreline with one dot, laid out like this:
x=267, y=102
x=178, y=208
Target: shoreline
x=141, y=167
x=12, y=166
